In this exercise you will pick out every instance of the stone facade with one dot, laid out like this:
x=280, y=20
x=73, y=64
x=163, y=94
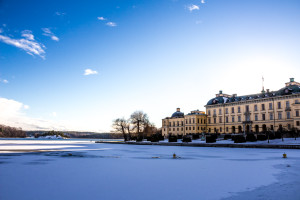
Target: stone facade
x=180, y=124
x=268, y=110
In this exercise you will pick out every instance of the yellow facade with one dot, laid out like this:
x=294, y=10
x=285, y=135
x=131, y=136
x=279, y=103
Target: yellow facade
x=268, y=111
x=225, y=114
x=180, y=124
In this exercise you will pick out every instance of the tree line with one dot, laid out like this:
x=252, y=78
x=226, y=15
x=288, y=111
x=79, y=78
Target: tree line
x=136, y=127
x=11, y=132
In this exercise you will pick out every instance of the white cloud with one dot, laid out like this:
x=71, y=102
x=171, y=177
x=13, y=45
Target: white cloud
x=202, y=1
x=28, y=35
x=112, y=24
x=1, y=31
x=101, y=18
x=48, y=32
x=29, y=45
x=60, y=13
x=54, y=114
x=5, y=81
x=193, y=7
x=89, y=72
x=12, y=114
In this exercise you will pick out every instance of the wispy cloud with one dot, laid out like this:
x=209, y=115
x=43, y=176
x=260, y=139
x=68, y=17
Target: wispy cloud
x=193, y=7
x=5, y=81
x=89, y=72
x=28, y=44
x=112, y=24
x=28, y=34
x=60, y=13
x=101, y=18
x=202, y=1
x=48, y=32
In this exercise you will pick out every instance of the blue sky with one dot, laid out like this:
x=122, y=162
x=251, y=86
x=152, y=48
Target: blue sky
x=140, y=55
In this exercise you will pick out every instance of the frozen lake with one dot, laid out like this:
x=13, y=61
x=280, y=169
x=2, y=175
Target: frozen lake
x=85, y=170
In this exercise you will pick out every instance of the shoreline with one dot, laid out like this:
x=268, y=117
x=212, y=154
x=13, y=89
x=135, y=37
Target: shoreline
x=235, y=145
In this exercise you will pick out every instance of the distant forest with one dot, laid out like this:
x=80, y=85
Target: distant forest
x=11, y=132
x=75, y=134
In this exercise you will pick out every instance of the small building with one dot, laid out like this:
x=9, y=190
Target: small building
x=180, y=124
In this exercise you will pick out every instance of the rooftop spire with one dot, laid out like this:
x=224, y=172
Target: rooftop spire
x=263, y=87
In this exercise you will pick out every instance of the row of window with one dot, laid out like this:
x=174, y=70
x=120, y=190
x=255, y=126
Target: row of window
x=263, y=117
x=186, y=128
x=202, y=121
x=287, y=104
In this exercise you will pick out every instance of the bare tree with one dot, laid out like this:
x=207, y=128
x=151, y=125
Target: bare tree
x=120, y=125
x=139, y=120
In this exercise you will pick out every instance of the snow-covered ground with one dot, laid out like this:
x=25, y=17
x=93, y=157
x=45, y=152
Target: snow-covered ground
x=87, y=170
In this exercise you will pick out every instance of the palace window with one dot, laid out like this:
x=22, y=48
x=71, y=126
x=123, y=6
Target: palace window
x=209, y=120
x=239, y=109
x=220, y=129
x=186, y=121
x=177, y=123
x=263, y=116
x=190, y=128
x=296, y=101
x=170, y=124
x=255, y=107
x=173, y=129
x=270, y=106
x=181, y=129
x=181, y=123
x=208, y=113
x=169, y=129
x=226, y=110
x=215, y=112
x=189, y=121
x=279, y=105
x=297, y=113
x=239, y=118
x=298, y=123
x=177, y=129
x=271, y=116
x=287, y=104
x=220, y=111
x=215, y=120
x=279, y=115
x=193, y=121
x=186, y=128
x=173, y=123
x=193, y=127
x=288, y=115
x=232, y=110
x=204, y=121
x=262, y=106
x=232, y=119
x=226, y=129
x=247, y=108
x=198, y=121
x=256, y=117
x=226, y=119
x=220, y=119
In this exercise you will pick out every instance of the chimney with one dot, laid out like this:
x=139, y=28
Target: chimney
x=291, y=79
x=220, y=92
x=178, y=109
x=268, y=90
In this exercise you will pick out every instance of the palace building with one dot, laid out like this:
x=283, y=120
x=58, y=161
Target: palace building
x=268, y=110
x=180, y=124
x=225, y=114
